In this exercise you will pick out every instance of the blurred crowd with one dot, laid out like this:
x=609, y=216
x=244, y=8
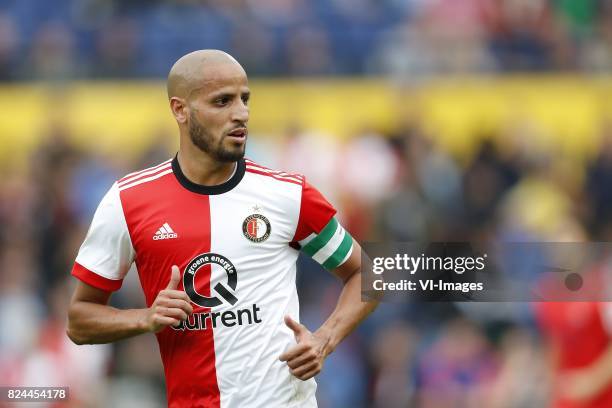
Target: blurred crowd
x=62, y=39
x=422, y=355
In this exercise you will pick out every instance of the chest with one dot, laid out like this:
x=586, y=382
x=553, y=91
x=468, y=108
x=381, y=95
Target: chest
x=244, y=221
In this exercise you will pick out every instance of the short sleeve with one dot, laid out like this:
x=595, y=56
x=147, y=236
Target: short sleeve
x=318, y=233
x=107, y=252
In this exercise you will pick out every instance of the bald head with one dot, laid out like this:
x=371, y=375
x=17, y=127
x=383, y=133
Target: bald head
x=192, y=71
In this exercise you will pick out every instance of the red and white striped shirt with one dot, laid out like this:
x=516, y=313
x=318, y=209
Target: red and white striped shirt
x=236, y=245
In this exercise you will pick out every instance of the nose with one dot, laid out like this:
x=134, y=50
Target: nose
x=241, y=113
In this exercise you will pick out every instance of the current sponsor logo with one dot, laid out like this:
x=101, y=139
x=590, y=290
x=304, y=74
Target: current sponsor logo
x=222, y=292
x=229, y=318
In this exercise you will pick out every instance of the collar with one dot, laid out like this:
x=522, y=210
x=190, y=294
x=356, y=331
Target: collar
x=224, y=187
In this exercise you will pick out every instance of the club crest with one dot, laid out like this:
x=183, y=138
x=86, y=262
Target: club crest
x=256, y=228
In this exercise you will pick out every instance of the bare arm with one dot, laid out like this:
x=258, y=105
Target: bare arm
x=92, y=321
x=306, y=358
x=350, y=309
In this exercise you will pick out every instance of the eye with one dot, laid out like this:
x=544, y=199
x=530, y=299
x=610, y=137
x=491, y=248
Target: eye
x=222, y=101
x=245, y=99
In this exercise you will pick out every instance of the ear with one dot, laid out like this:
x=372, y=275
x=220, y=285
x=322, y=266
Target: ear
x=180, y=109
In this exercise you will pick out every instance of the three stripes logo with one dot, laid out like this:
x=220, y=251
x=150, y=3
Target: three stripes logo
x=164, y=232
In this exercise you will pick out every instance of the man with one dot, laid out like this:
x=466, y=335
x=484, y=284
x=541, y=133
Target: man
x=578, y=336
x=215, y=239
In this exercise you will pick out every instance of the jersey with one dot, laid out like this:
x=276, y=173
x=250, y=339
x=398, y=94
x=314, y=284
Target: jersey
x=236, y=245
x=580, y=333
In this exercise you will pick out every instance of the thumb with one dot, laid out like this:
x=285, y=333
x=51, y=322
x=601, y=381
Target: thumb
x=175, y=277
x=297, y=328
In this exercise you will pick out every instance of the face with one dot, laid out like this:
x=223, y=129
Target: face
x=218, y=113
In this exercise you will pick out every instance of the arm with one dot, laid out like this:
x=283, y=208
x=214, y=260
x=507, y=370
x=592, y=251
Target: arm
x=92, y=321
x=350, y=309
x=305, y=360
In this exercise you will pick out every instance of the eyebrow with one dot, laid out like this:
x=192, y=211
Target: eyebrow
x=230, y=94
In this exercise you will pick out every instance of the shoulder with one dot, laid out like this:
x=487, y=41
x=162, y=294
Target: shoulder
x=145, y=176
x=278, y=177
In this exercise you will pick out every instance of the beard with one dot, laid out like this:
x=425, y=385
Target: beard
x=205, y=142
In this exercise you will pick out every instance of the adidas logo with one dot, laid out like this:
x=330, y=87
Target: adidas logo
x=164, y=232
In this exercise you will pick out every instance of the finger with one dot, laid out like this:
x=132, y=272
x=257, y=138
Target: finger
x=295, y=326
x=302, y=359
x=309, y=374
x=175, y=277
x=293, y=352
x=176, y=303
x=175, y=294
x=172, y=312
x=165, y=321
x=304, y=369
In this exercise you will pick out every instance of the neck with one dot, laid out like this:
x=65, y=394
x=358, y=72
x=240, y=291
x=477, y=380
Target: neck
x=200, y=168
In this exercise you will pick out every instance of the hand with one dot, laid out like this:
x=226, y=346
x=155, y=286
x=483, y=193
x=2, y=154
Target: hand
x=305, y=359
x=169, y=307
